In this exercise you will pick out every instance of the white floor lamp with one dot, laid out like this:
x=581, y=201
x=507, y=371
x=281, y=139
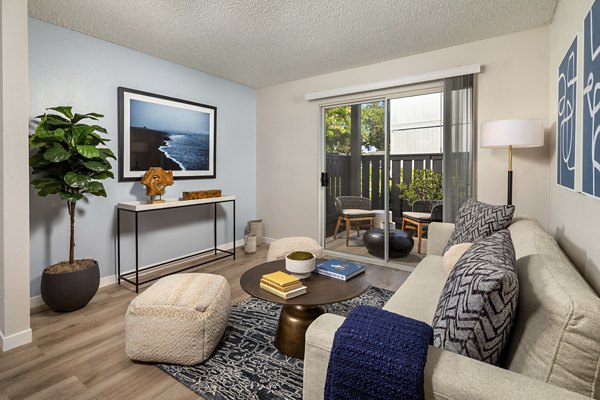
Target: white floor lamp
x=511, y=133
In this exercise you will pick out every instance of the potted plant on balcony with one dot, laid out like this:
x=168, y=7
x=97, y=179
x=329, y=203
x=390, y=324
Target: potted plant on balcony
x=425, y=185
x=69, y=161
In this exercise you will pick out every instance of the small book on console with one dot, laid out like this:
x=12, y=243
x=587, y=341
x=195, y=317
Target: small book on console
x=339, y=269
x=284, y=295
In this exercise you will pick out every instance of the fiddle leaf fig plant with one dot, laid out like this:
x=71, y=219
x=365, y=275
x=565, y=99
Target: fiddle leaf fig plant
x=70, y=159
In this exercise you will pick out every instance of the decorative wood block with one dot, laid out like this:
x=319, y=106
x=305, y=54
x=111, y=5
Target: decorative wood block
x=201, y=194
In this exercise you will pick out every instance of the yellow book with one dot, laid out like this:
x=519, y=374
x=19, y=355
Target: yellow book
x=282, y=288
x=284, y=295
x=281, y=278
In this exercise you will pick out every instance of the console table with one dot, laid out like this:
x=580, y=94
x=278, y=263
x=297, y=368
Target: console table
x=140, y=207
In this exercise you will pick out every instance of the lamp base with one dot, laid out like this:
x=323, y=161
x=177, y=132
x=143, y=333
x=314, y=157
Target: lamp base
x=510, y=185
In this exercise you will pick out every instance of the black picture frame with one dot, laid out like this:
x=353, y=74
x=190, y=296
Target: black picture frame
x=161, y=131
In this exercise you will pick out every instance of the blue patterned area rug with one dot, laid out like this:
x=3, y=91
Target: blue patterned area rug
x=246, y=365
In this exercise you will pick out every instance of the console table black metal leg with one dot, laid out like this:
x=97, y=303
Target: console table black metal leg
x=234, y=229
x=137, y=263
x=215, y=228
x=118, y=246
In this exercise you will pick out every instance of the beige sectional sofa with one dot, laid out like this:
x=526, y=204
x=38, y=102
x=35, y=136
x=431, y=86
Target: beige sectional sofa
x=554, y=352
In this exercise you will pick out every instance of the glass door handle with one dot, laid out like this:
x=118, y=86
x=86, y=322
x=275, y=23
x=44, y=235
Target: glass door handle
x=324, y=179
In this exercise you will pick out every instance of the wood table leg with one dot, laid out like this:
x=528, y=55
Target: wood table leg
x=419, y=233
x=291, y=331
x=337, y=227
x=348, y=227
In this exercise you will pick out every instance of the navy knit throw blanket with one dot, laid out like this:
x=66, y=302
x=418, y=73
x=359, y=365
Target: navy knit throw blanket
x=378, y=354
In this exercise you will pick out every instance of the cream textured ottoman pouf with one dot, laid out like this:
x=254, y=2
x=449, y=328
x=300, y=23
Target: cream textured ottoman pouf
x=178, y=320
x=280, y=247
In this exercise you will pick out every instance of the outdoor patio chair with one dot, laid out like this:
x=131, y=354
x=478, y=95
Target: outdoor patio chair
x=423, y=212
x=353, y=209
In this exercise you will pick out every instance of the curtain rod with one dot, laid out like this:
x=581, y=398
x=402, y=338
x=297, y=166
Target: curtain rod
x=390, y=83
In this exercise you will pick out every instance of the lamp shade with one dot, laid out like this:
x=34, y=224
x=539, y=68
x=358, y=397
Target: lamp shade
x=515, y=132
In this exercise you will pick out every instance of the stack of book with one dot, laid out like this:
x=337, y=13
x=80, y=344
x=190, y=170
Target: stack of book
x=283, y=285
x=339, y=269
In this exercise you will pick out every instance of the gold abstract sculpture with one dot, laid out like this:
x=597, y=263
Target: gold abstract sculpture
x=156, y=180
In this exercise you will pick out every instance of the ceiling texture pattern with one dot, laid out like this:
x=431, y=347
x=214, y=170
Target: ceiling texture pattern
x=265, y=42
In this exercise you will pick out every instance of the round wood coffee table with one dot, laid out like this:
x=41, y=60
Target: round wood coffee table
x=298, y=313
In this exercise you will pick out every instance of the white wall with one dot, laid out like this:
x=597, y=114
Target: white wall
x=14, y=171
x=513, y=84
x=574, y=218
x=69, y=68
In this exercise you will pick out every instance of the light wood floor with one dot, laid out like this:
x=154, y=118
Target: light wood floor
x=81, y=355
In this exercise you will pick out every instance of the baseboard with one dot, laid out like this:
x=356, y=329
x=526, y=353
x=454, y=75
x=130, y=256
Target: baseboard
x=37, y=301
x=15, y=340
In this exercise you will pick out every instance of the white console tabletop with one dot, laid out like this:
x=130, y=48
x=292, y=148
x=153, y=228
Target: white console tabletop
x=169, y=203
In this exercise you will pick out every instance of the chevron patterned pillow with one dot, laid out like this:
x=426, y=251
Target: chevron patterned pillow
x=479, y=301
x=477, y=220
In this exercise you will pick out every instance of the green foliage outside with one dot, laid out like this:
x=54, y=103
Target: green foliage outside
x=425, y=185
x=338, y=128
x=69, y=159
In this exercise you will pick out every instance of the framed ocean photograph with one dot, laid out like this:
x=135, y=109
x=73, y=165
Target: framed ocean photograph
x=161, y=131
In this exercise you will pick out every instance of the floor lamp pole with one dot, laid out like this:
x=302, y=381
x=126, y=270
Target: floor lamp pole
x=510, y=176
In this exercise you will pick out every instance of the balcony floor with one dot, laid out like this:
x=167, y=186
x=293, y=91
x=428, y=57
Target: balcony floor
x=357, y=247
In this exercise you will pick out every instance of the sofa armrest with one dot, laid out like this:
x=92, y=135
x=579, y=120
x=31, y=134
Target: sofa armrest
x=438, y=234
x=448, y=376
x=319, y=340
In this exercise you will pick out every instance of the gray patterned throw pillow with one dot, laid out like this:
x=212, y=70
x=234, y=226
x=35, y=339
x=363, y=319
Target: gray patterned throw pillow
x=477, y=220
x=479, y=301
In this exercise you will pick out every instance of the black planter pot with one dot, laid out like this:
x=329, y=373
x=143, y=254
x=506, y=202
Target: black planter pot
x=70, y=291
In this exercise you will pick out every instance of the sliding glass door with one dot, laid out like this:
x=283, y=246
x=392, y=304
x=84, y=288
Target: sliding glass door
x=355, y=145
x=410, y=152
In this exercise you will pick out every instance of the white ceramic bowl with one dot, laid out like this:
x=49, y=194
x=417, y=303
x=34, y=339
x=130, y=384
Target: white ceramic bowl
x=300, y=268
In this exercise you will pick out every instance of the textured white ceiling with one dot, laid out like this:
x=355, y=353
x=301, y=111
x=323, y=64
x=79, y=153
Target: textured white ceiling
x=261, y=42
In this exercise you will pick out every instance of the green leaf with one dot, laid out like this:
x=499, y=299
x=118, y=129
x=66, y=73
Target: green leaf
x=55, y=120
x=103, y=175
x=97, y=138
x=76, y=180
x=57, y=153
x=46, y=136
x=72, y=197
x=64, y=110
x=107, y=153
x=99, y=128
x=96, y=188
x=50, y=188
x=38, y=160
x=97, y=166
x=88, y=151
x=79, y=117
x=45, y=181
x=80, y=133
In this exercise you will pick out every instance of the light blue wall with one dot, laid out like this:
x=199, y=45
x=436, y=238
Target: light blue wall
x=69, y=68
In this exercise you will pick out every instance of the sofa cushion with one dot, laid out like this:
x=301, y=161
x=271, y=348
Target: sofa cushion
x=475, y=312
x=477, y=220
x=454, y=254
x=556, y=336
x=418, y=296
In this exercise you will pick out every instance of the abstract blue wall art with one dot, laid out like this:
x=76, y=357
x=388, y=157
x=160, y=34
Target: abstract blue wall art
x=565, y=140
x=591, y=92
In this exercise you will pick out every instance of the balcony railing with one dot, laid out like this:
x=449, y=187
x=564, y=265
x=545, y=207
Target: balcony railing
x=373, y=182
